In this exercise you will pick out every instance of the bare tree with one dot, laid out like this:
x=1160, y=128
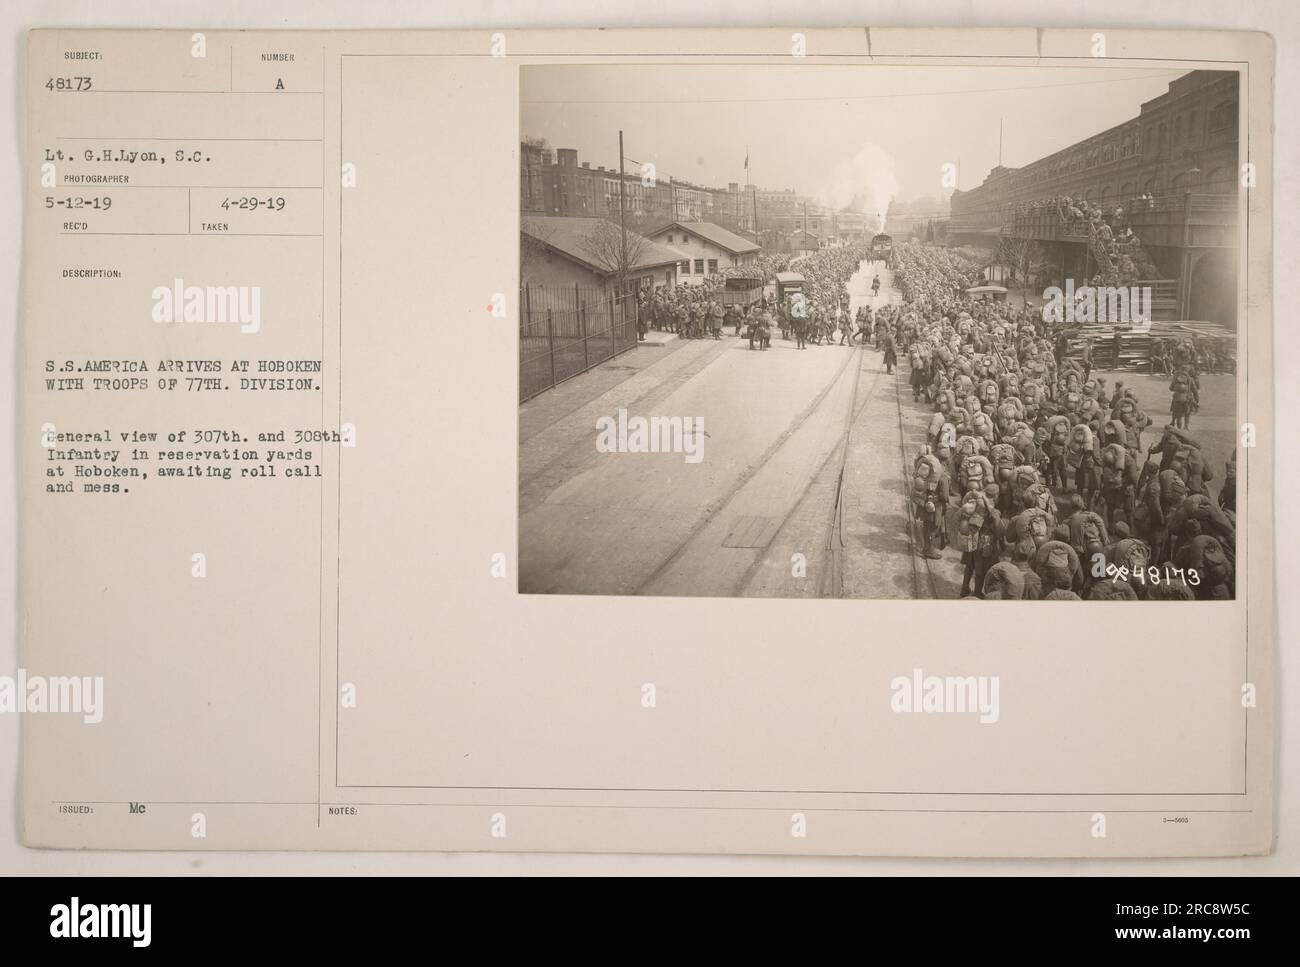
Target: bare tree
x=1022, y=254
x=604, y=245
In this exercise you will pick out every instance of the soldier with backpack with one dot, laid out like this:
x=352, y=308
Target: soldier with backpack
x=1184, y=397
x=930, y=503
x=1004, y=582
x=1165, y=494
x=1057, y=440
x=1119, y=478
x=1089, y=540
x=1058, y=567
x=1205, y=558
x=979, y=537
x=864, y=323
x=1081, y=459
x=1228, y=494
x=891, y=356
x=732, y=318
x=918, y=365
x=716, y=316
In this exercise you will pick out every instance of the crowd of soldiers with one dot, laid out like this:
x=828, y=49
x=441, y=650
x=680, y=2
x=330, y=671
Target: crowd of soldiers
x=700, y=311
x=1124, y=256
x=1109, y=230
x=1197, y=354
x=1039, y=474
x=821, y=309
x=813, y=318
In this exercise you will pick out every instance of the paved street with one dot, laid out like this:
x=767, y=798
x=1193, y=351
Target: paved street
x=756, y=516
x=764, y=492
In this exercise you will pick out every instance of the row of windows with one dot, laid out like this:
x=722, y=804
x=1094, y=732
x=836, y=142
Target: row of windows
x=684, y=267
x=1221, y=119
x=1220, y=181
x=689, y=201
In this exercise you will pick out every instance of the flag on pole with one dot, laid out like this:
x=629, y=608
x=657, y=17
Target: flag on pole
x=746, y=157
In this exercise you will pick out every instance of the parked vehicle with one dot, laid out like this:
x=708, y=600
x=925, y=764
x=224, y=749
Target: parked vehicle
x=742, y=290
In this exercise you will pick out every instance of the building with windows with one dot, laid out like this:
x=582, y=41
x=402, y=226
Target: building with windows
x=534, y=157
x=553, y=182
x=1173, y=171
x=585, y=252
x=707, y=248
x=808, y=217
x=805, y=243
x=853, y=227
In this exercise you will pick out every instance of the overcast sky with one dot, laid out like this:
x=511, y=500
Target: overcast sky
x=805, y=124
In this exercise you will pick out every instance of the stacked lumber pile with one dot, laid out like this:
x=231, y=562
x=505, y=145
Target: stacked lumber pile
x=1135, y=347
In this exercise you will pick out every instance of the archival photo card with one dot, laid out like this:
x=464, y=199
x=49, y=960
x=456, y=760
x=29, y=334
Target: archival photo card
x=660, y=441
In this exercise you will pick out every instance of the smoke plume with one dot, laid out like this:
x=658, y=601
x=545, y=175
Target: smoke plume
x=864, y=183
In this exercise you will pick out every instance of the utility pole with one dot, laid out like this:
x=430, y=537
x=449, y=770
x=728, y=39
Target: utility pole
x=622, y=220
x=757, y=237
x=805, y=225
x=673, y=192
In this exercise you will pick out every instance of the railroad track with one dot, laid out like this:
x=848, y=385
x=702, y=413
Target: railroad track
x=831, y=579
x=719, y=506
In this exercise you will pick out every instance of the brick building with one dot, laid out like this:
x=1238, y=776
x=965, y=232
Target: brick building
x=554, y=182
x=1173, y=170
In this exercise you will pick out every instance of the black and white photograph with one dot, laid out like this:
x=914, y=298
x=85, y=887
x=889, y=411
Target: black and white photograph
x=879, y=332
x=581, y=440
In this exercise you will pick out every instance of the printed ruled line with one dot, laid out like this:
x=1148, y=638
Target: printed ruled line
x=113, y=187
x=94, y=90
x=656, y=807
x=320, y=556
x=774, y=792
x=201, y=234
x=338, y=488
x=545, y=58
x=113, y=137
